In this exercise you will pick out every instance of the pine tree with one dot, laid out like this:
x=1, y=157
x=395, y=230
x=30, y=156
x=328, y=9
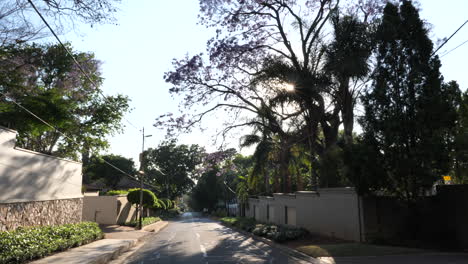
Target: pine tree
x=409, y=113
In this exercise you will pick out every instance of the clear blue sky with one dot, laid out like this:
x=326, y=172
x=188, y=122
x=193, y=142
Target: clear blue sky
x=136, y=53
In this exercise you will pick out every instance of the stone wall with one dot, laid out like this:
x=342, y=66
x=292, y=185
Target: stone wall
x=39, y=213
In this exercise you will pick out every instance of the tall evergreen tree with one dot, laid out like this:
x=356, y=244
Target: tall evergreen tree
x=410, y=115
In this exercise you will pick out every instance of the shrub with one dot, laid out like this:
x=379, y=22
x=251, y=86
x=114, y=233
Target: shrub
x=149, y=198
x=220, y=212
x=118, y=192
x=278, y=233
x=231, y=221
x=171, y=213
x=247, y=224
x=144, y=221
x=29, y=243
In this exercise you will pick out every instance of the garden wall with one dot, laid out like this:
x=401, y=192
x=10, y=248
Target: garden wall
x=36, y=189
x=333, y=211
x=108, y=209
x=433, y=221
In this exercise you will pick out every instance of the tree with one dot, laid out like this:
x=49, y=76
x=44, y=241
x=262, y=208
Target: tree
x=261, y=48
x=16, y=25
x=460, y=169
x=173, y=167
x=97, y=169
x=410, y=115
x=44, y=79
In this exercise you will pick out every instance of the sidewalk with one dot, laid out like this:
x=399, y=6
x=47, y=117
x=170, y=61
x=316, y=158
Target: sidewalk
x=117, y=240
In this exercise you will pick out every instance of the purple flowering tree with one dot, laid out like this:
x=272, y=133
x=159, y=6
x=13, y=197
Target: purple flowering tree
x=267, y=68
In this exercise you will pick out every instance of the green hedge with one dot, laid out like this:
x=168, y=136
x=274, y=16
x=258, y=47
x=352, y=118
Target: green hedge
x=116, y=192
x=29, y=243
x=149, y=198
x=278, y=233
x=144, y=221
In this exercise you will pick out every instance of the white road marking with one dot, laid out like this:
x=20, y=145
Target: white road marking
x=198, y=235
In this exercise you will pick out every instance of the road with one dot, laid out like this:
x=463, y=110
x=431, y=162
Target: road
x=195, y=240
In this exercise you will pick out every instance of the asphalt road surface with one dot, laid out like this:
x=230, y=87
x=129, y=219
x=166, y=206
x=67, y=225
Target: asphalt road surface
x=194, y=240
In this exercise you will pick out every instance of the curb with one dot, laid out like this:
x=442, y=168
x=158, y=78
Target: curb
x=283, y=249
x=151, y=229
x=113, y=255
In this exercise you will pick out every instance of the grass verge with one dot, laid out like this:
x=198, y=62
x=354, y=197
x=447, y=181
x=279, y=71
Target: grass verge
x=144, y=221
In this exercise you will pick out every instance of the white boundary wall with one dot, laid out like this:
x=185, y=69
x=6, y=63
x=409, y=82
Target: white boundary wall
x=332, y=212
x=30, y=176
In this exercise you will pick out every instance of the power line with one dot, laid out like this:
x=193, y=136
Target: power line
x=446, y=39
x=73, y=57
x=66, y=136
x=464, y=42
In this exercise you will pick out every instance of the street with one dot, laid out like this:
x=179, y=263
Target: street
x=194, y=239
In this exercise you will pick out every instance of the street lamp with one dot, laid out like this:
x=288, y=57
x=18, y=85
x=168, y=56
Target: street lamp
x=142, y=172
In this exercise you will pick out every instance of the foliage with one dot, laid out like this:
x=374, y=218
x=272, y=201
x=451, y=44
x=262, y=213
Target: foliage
x=168, y=214
x=144, y=221
x=278, y=233
x=173, y=167
x=460, y=167
x=260, y=49
x=220, y=212
x=207, y=192
x=410, y=115
x=17, y=25
x=149, y=199
x=97, y=169
x=44, y=79
x=28, y=243
x=116, y=192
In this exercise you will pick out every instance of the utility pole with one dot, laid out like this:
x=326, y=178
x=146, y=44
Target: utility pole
x=142, y=173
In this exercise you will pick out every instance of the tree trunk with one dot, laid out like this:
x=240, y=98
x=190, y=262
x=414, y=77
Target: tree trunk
x=347, y=114
x=284, y=168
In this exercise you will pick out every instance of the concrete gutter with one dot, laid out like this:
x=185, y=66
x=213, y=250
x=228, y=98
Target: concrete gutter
x=286, y=250
x=115, y=244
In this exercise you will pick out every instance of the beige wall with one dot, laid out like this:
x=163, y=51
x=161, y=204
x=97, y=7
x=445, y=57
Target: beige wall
x=108, y=209
x=30, y=176
x=332, y=212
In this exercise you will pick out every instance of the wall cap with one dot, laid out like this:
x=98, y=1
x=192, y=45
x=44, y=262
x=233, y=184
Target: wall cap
x=285, y=195
x=8, y=129
x=41, y=200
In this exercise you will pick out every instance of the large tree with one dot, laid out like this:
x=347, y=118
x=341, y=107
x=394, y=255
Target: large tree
x=18, y=23
x=172, y=167
x=267, y=67
x=45, y=80
x=97, y=169
x=410, y=115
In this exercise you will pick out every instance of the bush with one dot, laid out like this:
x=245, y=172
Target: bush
x=247, y=224
x=171, y=213
x=118, y=192
x=29, y=243
x=144, y=221
x=278, y=233
x=149, y=198
x=220, y=212
x=231, y=221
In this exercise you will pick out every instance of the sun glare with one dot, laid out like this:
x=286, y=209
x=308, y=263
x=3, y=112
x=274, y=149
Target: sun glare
x=289, y=87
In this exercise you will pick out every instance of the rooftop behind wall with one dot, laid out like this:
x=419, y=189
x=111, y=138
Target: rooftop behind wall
x=30, y=176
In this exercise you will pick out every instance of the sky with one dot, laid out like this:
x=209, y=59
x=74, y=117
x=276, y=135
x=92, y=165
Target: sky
x=137, y=51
